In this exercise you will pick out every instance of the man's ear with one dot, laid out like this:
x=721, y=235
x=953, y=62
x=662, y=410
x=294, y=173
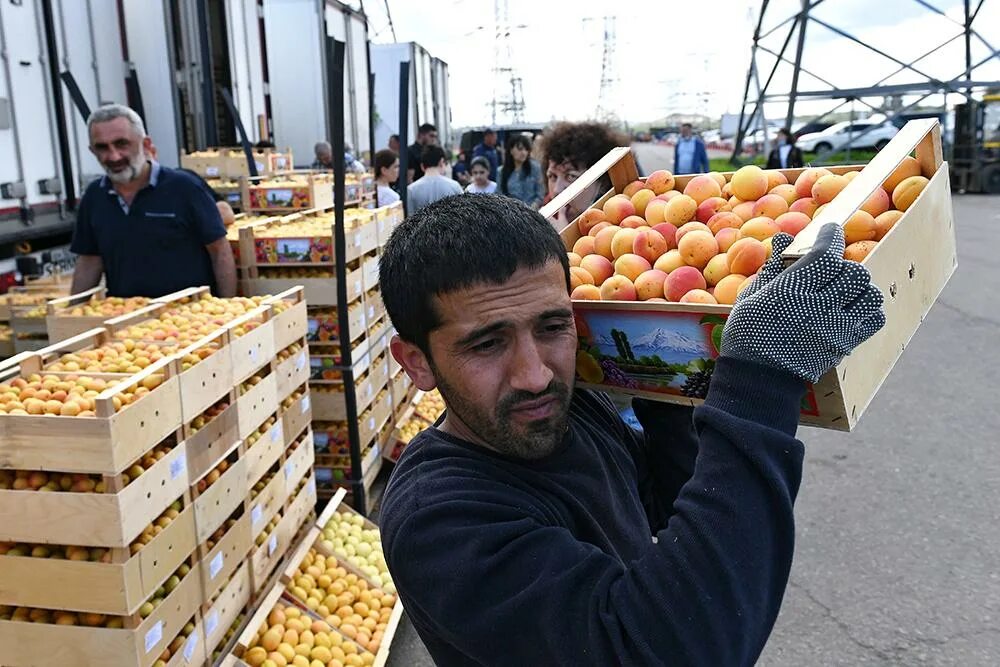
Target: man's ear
x=414, y=362
x=147, y=147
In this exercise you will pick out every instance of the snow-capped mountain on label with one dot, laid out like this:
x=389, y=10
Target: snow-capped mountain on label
x=663, y=338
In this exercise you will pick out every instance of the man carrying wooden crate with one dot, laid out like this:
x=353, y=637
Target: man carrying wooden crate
x=531, y=524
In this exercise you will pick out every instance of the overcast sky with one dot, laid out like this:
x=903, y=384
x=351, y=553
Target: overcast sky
x=673, y=56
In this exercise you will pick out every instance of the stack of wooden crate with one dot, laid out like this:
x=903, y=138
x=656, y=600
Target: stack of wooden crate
x=143, y=535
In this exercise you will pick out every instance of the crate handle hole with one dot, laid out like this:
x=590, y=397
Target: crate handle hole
x=912, y=271
x=892, y=290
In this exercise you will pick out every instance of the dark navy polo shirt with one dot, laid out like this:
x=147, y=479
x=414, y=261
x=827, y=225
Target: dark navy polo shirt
x=156, y=245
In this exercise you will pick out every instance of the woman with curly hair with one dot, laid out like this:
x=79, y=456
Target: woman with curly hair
x=570, y=149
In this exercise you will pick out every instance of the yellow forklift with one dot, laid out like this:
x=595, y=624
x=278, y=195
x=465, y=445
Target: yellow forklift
x=976, y=154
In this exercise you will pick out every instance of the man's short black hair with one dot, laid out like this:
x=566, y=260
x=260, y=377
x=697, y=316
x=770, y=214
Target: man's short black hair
x=431, y=156
x=686, y=125
x=393, y=136
x=489, y=131
x=455, y=243
x=425, y=128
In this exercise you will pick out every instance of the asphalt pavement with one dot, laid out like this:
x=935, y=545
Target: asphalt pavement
x=898, y=523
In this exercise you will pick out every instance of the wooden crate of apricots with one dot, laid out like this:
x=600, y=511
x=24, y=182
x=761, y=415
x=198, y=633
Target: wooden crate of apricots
x=299, y=250
x=335, y=603
x=657, y=262
x=286, y=192
x=120, y=505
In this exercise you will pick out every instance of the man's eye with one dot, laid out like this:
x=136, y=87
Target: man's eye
x=556, y=327
x=486, y=345
x=570, y=177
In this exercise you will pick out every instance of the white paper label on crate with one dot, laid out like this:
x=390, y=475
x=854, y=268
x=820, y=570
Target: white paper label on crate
x=312, y=485
x=305, y=404
x=272, y=544
x=301, y=362
x=357, y=286
x=154, y=636
x=212, y=622
x=357, y=240
x=260, y=167
x=276, y=433
x=371, y=423
x=189, y=646
x=211, y=171
x=256, y=514
x=178, y=466
x=253, y=354
x=371, y=312
x=289, y=468
x=215, y=566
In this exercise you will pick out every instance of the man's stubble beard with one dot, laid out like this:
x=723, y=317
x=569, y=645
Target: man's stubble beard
x=537, y=441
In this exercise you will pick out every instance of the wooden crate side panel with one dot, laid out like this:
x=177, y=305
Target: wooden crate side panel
x=206, y=382
x=298, y=463
x=215, y=505
x=62, y=327
x=255, y=406
x=104, y=588
x=329, y=406
x=911, y=266
x=159, y=558
x=292, y=373
x=297, y=417
x=290, y=325
x=266, y=504
x=264, y=453
x=206, y=447
x=220, y=563
x=252, y=351
x=224, y=610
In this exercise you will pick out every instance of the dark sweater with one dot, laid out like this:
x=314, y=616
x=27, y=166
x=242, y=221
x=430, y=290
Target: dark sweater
x=507, y=562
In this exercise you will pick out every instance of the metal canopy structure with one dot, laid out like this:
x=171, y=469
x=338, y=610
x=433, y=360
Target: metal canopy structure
x=796, y=26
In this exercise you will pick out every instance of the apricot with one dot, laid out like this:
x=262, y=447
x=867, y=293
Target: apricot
x=857, y=251
x=660, y=181
x=668, y=232
x=631, y=265
x=595, y=230
x=774, y=179
x=745, y=284
x=668, y=195
x=669, y=261
x=586, y=293
x=598, y=266
x=650, y=244
x=819, y=209
x=679, y=210
x=719, y=178
x=885, y=222
x=641, y=199
x=698, y=296
x=877, y=203
x=690, y=227
x=573, y=258
x=827, y=187
x=588, y=219
x=617, y=208
x=749, y=183
x=716, y=269
x=649, y=284
x=655, y=212
x=760, y=228
x=710, y=207
x=907, y=168
x=622, y=242
x=602, y=242
x=859, y=227
x=904, y=194
x=746, y=256
x=804, y=183
x=792, y=222
x=682, y=281
x=702, y=187
x=578, y=276
x=584, y=246
x=697, y=248
x=724, y=219
x=633, y=222
x=727, y=289
x=726, y=237
x=744, y=210
x=618, y=288
x=770, y=206
x=806, y=205
x=768, y=247
x=786, y=191
x=632, y=188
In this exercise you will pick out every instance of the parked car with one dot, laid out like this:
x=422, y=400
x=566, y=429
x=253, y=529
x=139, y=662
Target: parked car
x=847, y=134
x=810, y=128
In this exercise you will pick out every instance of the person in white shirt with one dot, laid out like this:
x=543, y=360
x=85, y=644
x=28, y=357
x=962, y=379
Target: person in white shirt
x=786, y=155
x=433, y=185
x=386, y=173
x=481, y=183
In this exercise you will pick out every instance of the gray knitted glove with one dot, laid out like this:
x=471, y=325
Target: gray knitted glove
x=805, y=319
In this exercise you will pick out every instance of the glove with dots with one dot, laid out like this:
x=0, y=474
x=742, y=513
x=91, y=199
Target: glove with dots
x=806, y=318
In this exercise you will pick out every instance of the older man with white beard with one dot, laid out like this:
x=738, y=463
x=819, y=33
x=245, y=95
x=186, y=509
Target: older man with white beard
x=150, y=230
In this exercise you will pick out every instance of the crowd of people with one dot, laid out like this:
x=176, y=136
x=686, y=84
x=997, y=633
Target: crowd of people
x=519, y=169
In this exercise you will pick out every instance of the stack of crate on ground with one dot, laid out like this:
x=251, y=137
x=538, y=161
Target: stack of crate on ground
x=156, y=471
x=337, y=586
x=22, y=316
x=299, y=249
x=225, y=168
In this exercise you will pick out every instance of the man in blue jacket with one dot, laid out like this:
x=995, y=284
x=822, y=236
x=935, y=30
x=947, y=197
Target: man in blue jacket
x=488, y=150
x=531, y=525
x=690, y=156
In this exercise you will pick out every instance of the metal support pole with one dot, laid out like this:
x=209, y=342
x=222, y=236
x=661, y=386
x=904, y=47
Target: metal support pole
x=968, y=49
x=207, y=71
x=404, y=132
x=740, y=132
x=52, y=62
x=797, y=67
